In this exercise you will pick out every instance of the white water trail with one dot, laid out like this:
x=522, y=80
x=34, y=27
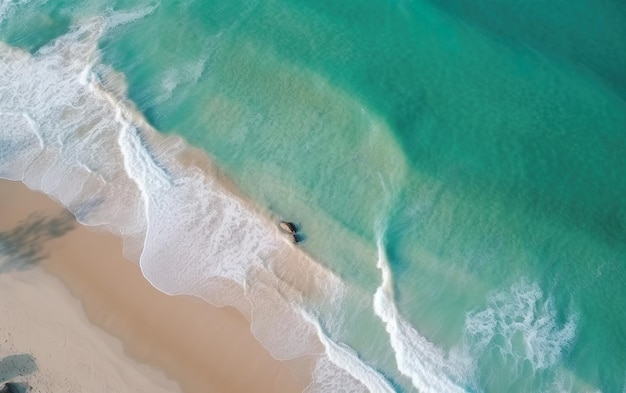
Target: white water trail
x=424, y=363
x=520, y=311
x=347, y=359
x=69, y=130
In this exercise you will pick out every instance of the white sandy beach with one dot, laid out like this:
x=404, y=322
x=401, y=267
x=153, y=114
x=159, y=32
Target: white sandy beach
x=92, y=323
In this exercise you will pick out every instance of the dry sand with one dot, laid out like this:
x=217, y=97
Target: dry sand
x=200, y=347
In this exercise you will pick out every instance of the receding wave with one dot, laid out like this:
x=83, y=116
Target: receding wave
x=70, y=131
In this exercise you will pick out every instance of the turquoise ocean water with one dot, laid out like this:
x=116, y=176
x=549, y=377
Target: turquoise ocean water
x=460, y=166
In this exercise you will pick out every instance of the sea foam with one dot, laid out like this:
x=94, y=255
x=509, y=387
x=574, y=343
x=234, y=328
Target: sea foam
x=427, y=365
x=70, y=131
x=522, y=312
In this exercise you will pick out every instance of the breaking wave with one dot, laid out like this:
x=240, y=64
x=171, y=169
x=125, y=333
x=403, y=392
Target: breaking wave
x=70, y=132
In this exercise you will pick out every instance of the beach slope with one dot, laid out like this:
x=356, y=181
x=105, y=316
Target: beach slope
x=78, y=316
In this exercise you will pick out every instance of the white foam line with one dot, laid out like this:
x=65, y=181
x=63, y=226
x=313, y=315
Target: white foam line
x=416, y=357
x=222, y=237
x=347, y=359
x=137, y=160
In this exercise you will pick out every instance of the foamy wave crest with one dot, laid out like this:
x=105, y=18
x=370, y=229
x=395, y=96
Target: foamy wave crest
x=330, y=378
x=344, y=366
x=55, y=134
x=69, y=130
x=428, y=367
x=521, y=312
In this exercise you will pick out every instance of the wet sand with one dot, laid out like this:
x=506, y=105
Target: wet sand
x=170, y=339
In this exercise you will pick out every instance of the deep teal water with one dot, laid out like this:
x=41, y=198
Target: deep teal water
x=483, y=142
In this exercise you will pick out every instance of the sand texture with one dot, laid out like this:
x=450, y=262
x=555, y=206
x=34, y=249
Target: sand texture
x=79, y=317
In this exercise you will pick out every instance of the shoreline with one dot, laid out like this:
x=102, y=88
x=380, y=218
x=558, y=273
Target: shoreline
x=164, y=198
x=213, y=349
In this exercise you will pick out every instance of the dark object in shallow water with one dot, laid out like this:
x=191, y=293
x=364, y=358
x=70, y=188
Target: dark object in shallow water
x=9, y=388
x=292, y=230
x=288, y=227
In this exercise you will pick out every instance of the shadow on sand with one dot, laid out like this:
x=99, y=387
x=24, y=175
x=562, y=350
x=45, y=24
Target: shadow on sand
x=23, y=246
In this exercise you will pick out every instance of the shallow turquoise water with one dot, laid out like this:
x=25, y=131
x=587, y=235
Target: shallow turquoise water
x=483, y=143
